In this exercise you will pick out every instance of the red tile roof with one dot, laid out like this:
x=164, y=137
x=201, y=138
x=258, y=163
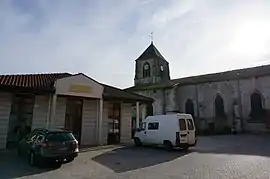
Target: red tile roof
x=37, y=81
x=46, y=82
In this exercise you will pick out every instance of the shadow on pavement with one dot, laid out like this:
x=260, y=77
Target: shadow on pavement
x=12, y=166
x=132, y=158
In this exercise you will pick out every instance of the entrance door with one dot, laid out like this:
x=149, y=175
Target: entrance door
x=73, y=120
x=114, y=123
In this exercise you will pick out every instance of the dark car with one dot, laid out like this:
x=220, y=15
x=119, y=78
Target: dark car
x=47, y=145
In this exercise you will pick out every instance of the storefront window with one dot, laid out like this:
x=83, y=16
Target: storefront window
x=114, y=111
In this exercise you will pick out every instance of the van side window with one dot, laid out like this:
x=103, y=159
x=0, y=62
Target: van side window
x=153, y=125
x=142, y=126
x=190, y=124
x=182, y=124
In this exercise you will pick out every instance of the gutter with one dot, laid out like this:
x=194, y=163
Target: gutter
x=49, y=112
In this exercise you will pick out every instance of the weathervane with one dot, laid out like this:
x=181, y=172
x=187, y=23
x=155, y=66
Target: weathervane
x=152, y=37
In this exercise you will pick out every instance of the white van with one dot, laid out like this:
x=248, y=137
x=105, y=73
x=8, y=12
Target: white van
x=171, y=130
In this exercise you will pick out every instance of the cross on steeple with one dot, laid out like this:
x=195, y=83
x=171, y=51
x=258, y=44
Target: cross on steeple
x=152, y=37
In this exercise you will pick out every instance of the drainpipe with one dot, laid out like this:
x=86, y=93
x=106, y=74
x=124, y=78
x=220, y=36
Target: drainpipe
x=53, y=109
x=143, y=111
x=175, y=92
x=197, y=101
x=137, y=114
x=240, y=103
x=164, y=101
x=100, y=122
x=49, y=111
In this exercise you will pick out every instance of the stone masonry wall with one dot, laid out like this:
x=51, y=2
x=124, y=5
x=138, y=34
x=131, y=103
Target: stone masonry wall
x=163, y=99
x=206, y=93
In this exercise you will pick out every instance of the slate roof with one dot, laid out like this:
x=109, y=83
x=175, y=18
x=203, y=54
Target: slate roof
x=45, y=82
x=150, y=52
x=214, y=77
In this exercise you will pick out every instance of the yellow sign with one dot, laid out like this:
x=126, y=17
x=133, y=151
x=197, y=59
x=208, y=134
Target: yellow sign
x=79, y=89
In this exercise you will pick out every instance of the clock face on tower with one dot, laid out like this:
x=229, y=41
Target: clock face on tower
x=161, y=68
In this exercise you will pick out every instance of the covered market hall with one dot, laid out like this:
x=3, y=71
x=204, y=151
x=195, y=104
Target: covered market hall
x=96, y=113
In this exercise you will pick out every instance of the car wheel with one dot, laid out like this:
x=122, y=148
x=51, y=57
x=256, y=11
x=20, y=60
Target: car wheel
x=137, y=142
x=32, y=159
x=69, y=159
x=168, y=145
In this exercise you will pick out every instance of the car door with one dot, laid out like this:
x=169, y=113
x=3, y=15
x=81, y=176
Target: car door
x=152, y=133
x=26, y=143
x=37, y=141
x=183, y=130
x=141, y=134
x=31, y=142
x=191, y=131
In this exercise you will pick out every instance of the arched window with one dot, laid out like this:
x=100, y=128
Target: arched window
x=149, y=110
x=189, y=107
x=219, y=106
x=146, y=69
x=257, y=111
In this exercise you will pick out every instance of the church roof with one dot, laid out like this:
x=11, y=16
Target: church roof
x=150, y=52
x=213, y=77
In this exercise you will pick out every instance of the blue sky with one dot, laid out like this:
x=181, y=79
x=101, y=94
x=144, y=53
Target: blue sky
x=102, y=38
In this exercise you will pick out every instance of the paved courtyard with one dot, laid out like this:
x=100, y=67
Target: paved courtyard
x=218, y=157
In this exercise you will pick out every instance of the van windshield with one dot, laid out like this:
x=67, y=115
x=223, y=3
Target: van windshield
x=182, y=124
x=142, y=126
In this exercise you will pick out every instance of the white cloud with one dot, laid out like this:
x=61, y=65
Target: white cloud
x=103, y=38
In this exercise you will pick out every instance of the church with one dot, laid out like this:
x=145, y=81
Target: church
x=219, y=102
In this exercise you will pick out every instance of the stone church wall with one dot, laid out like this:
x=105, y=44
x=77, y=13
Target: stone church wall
x=164, y=100
x=206, y=93
x=170, y=97
x=248, y=86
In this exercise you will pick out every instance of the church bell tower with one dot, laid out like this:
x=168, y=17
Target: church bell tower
x=151, y=67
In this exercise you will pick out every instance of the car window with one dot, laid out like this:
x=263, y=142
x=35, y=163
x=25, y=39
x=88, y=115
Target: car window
x=182, y=124
x=153, y=126
x=59, y=136
x=190, y=124
x=38, y=135
x=142, y=126
x=31, y=135
x=32, y=138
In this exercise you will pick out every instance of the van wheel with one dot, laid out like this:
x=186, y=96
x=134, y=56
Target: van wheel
x=168, y=145
x=185, y=148
x=137, y=142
